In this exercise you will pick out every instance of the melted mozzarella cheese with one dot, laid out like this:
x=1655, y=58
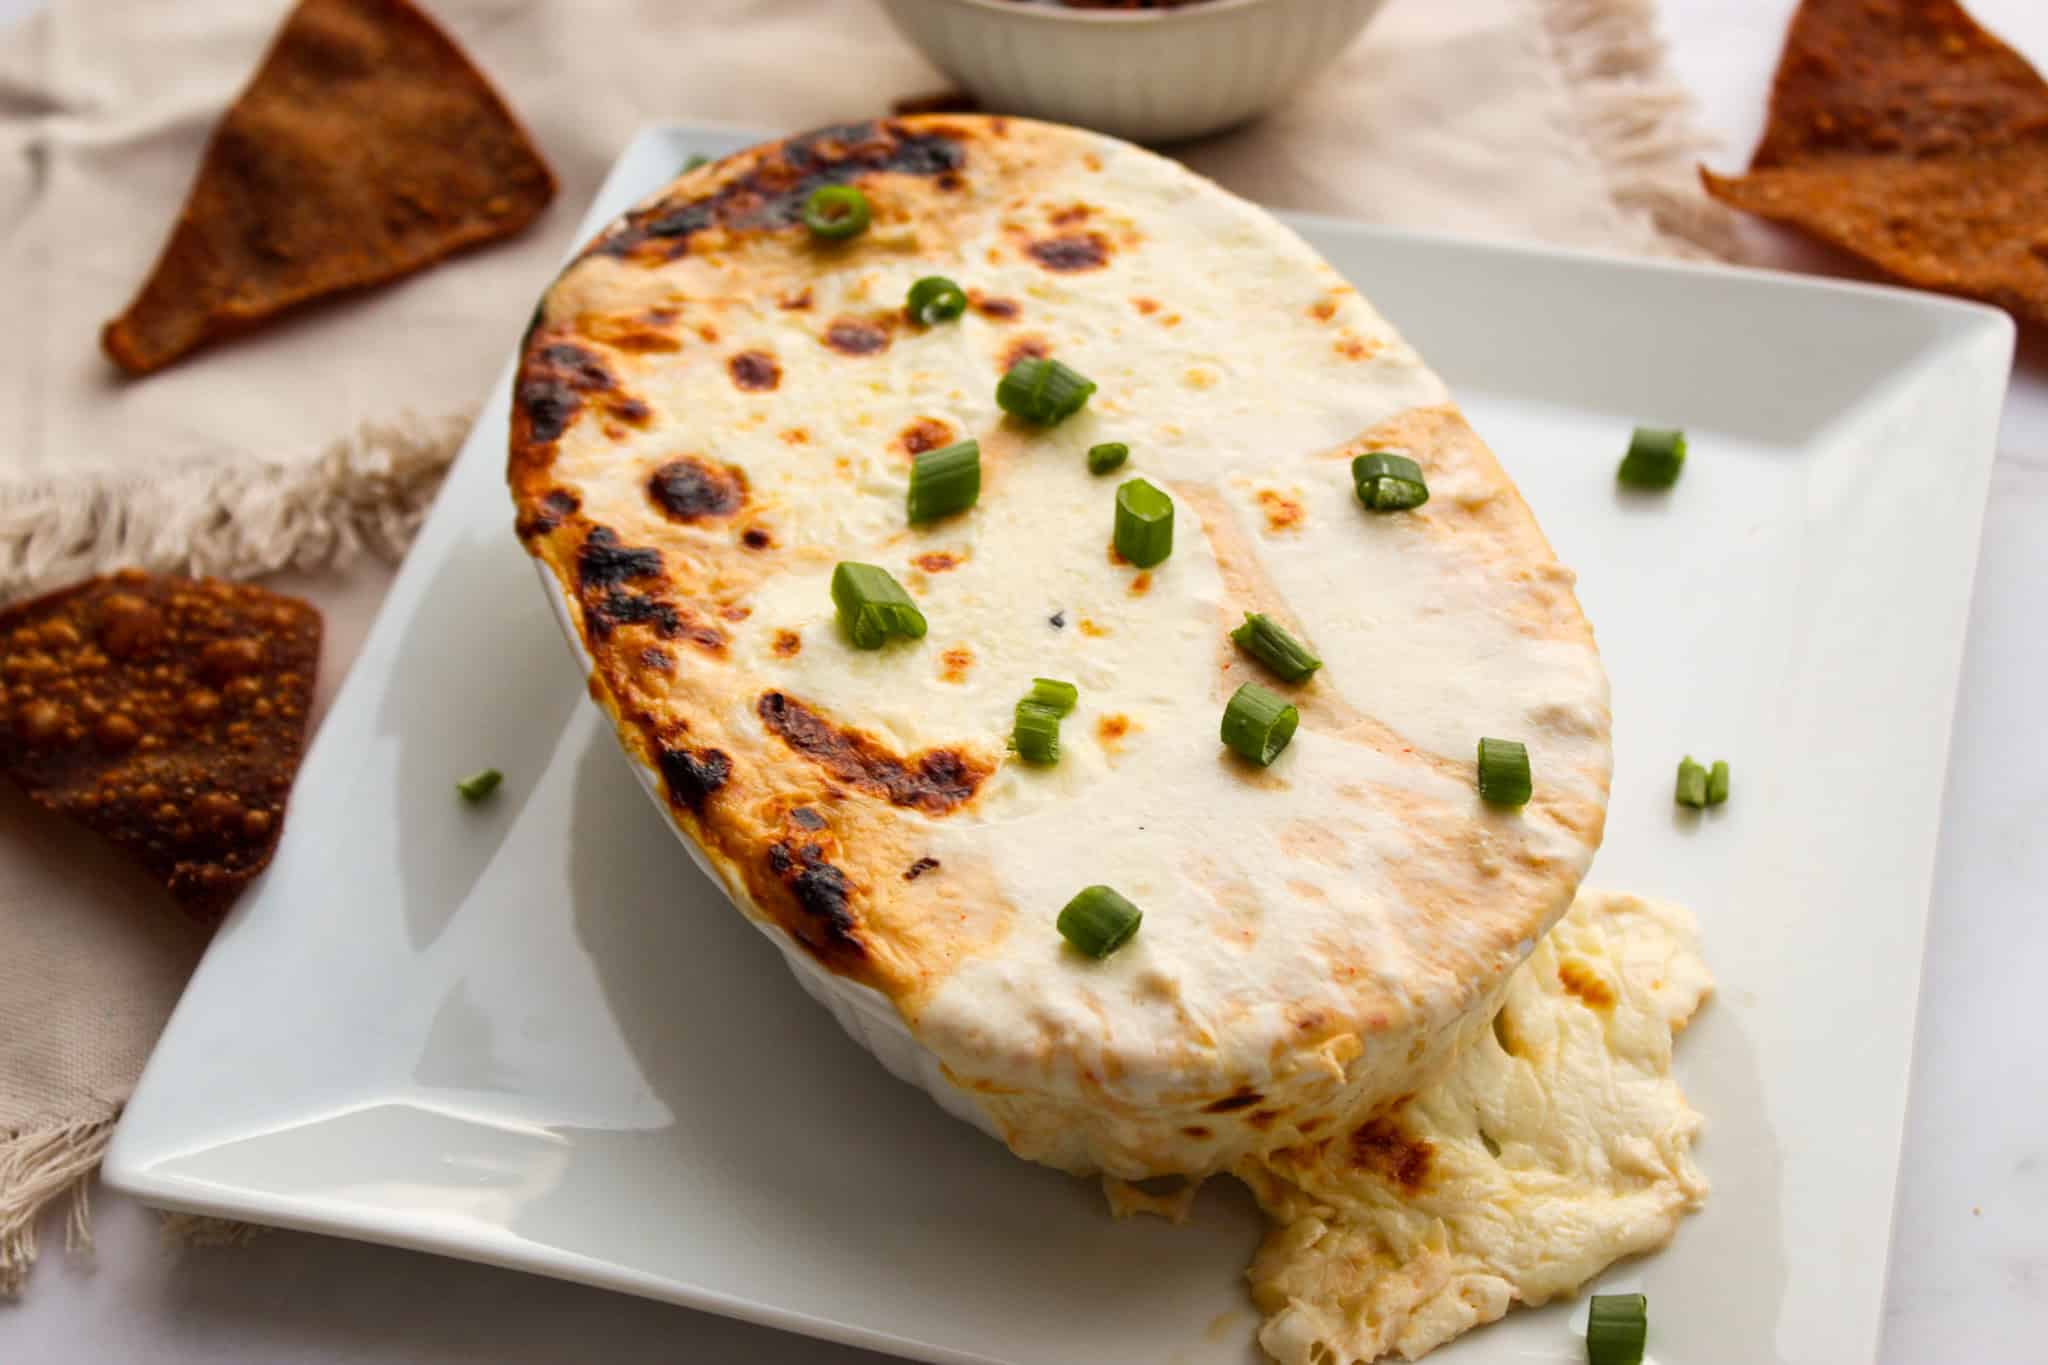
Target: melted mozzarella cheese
x=1557, y=1144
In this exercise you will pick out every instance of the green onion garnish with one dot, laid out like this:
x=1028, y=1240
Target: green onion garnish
x=1099, y=921
x=1692, y=784
x=1387, y=482
x=1654, y=458
x=1043, y=391
x=1504, y=772
x=1036, y=734
x=693, y=163
x=935, y=299
x=1144, y=523
x=1059, y=697
x=873, y=606
x=1107, y=456
x=943, y=482
x=1617, y=1327
x=1262, y=638
x=836, y=211
x=477, y=786
x=1257, y=724
x=1717, y=783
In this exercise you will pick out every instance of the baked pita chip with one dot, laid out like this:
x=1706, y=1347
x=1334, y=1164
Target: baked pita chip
x=1902, y=132
x=167, y=714
x=366, y=147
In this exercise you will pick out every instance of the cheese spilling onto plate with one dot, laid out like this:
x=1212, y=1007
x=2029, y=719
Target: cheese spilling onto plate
x=1556, y=1144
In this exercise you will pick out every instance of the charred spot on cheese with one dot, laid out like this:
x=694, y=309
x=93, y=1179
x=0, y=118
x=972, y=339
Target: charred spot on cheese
x=1262, y=1118
x=754, y=371
x=1581, y=981
x=787, y=644
x=552, y=384
x=604, y=563
x=1243, y=1099
x=926, y=433
x=919, y=868
x=820, y=889
x=756, y=538
x=994, y=307
x=631, y=411
x=1381, y=1146
x=1074, y=251
x=806, y=818
x=938, y=561
x=559, y=504
x=954, y=664
x=856, y=336
x=797, y=302
x=1028, y=347
x=657, y=659
x=770, y=195
x=693, y=776
x=934, y=781
x=1070, y=215
x=691, y=489
x=1195, y=1130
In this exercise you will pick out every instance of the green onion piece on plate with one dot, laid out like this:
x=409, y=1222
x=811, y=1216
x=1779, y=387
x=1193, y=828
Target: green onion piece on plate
x=1504, y=772
x=835, y=212
x=1654, y=458
x=946, y=481
x=1058, y=696
x=1692, y=784
x=1257, y=724
x=873, y=606
x=1262, y=637
x=1387, y=482
x=477, y=786
x=1717, y=783
x=1617, y=1328
x=1099, y=921
x=935, y=299
x=1036, y=734
x=1144, y=523
x=1043, y=391
x=693, y=163
x=1107, y=456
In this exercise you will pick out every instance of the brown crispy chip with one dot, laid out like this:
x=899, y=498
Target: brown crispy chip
x=1904, y=133
x=167, y=714
x=366, y=147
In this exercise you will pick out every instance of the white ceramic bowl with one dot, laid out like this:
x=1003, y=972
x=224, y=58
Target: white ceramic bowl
x=1143, y=75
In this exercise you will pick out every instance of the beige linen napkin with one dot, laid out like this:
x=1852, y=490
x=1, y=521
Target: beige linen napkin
x=310, y=440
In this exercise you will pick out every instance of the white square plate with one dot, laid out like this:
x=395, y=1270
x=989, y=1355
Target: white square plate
x=533, y=1034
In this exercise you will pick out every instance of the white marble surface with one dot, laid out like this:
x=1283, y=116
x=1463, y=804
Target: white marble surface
x=1969, y=1268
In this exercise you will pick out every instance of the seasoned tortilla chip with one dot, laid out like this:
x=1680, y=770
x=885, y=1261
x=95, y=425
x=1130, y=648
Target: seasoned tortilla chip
x=1904, y=133
x=167, y=714
x=366, y=147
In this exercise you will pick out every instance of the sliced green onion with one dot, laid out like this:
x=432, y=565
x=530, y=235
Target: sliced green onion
x=935, y=299
x=873, y=606
x=1059, y=697
x=1717, y=783
x=1257, y=724
x=1504, y=772
x=477, y=786
x=693, y=163
x=1043, y=391
x=1144, y=523
x=1617, y=1328
x=946, y=481
x=1387, y=482
x=1262, y=638
x=1655, y=456
x=836, y=211
x=1099, y=921
x=1692, y=784
x=1036, y=734
x=1107, y=456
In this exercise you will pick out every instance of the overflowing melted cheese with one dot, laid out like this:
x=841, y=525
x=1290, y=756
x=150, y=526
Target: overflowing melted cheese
x=1558, y=1143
